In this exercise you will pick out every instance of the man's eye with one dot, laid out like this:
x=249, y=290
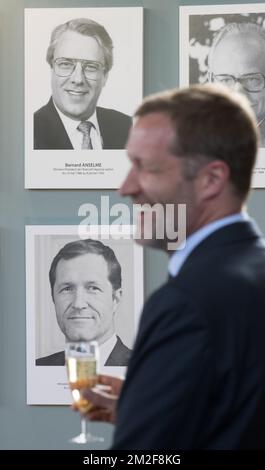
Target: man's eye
x=93, y=289
x=65, y=64
x=91, y=68
x=225, y=80
x=253, y=81
x=66, y=289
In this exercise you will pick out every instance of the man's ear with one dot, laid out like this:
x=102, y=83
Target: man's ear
x=116, y=296
x=213, y=178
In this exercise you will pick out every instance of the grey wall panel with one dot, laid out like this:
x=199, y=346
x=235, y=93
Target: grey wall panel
x=48, y=427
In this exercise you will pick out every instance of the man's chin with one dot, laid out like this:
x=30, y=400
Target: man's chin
x=81, y=336
x=78, y=115
x=80, y=339
x=77, y=111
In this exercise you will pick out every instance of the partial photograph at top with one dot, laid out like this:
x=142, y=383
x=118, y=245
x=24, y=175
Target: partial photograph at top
x=225, y=44
x=229, y=49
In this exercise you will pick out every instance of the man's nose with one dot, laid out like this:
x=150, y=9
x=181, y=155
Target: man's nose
x=79, y=299
x=130, y=186
x=77, y=75
x=238, y=87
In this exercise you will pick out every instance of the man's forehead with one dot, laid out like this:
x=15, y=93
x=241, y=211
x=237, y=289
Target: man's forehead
x=241, y=40
x=239, y=54
x=87, y=262
x=152, y=125
x=75, y=44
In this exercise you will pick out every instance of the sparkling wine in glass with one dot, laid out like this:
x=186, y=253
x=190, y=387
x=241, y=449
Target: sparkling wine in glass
x=82, y=359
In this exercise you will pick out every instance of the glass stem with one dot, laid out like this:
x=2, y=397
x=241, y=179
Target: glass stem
x=83, y=426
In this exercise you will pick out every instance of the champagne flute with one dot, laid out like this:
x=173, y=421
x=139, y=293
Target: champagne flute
x=82, y=358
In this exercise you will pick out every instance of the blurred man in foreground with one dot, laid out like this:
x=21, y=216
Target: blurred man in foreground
x=196, y=377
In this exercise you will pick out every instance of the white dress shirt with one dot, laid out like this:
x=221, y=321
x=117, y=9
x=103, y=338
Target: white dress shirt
x=76, y=136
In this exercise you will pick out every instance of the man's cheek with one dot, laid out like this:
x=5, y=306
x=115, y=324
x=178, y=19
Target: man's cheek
x=62, y=307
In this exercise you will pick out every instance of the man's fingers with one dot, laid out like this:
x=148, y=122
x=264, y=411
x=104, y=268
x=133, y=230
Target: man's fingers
x=114, y=382
x=98, y=397
x=103, y=388
x=104, y=392
x=102, y=398
x=105, y=379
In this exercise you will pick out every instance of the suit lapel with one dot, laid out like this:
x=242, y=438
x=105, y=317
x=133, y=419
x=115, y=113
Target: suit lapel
x=57, y=133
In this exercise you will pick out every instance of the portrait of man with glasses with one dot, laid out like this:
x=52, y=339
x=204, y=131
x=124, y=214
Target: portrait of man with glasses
x=237, y=60
x=226, y=44
x=80, y=56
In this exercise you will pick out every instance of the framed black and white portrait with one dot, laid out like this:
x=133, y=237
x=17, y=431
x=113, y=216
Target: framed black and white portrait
x=225, y=44
x=79, y=288
x=83, y=82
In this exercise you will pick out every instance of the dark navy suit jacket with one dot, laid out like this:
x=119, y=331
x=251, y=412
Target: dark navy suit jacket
x=196, y=377
x=119, y=356
x=50, y=133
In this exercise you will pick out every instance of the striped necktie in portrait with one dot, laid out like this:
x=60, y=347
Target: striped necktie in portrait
x=85, y=128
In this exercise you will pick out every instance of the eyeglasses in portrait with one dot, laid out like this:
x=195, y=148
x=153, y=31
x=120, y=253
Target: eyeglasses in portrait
x=83, y=81
x=225, y=44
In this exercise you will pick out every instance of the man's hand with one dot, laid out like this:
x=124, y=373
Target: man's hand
x=103, y=397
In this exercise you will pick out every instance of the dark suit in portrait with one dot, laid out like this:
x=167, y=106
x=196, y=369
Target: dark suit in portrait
x=119, y=356
x=204, y=330
x=50, y=133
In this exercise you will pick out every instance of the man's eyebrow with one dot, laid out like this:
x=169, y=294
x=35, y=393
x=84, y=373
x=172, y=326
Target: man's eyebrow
x=65, y=283
x=79, y=60
x=93, y=283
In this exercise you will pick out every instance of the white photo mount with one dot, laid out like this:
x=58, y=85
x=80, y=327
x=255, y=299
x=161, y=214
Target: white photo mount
x=47, y=385
x=76, y=168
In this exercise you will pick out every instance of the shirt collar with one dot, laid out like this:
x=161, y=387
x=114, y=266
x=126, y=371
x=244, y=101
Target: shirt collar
x=106, y=348
x=71, y=124
x=179, y=256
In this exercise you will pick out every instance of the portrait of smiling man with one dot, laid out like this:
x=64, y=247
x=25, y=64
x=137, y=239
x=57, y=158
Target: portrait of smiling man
x=236, y=59
x=80, y=56
x=86, y=288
